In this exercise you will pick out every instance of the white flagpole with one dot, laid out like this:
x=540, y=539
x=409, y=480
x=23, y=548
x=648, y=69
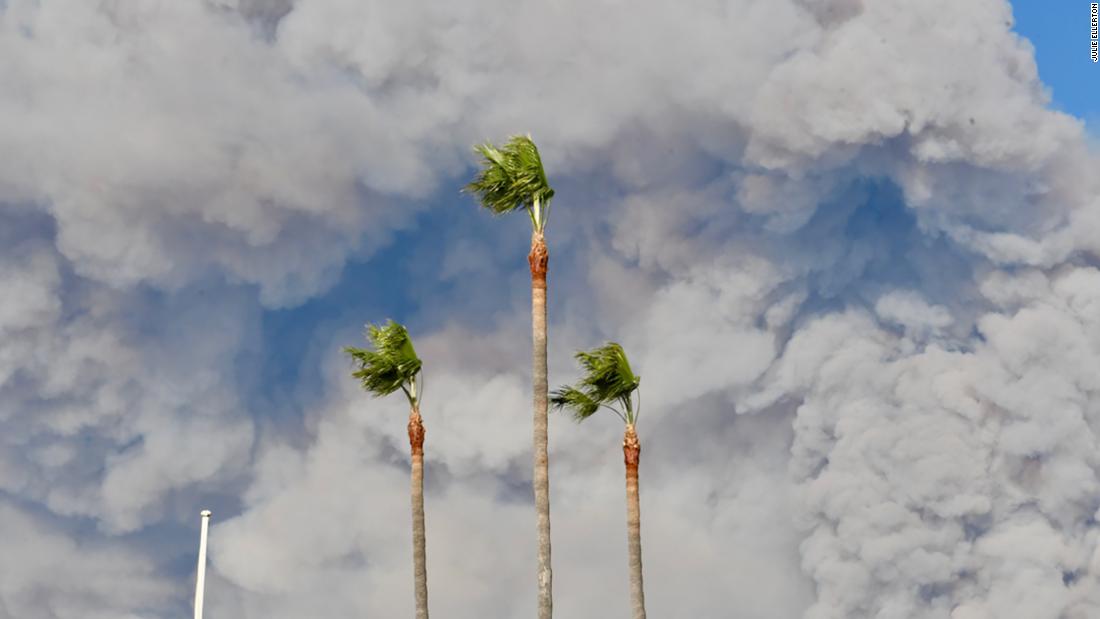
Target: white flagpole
x=200, y=582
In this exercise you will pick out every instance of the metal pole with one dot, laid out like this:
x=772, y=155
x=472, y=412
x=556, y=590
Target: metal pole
x=200, y=582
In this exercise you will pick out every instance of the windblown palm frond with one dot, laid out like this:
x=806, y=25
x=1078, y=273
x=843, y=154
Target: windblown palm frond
x=511, y=178
x=391, y=365
x=575, y=401
x=608, y=379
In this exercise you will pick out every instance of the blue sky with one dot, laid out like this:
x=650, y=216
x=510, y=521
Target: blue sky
x=1059, y=30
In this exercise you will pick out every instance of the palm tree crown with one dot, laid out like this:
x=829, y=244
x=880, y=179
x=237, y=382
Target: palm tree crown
x=607, y=381
x=511, y=178
x=391, y=365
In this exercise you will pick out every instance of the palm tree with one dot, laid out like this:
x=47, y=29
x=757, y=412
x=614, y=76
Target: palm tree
x=393, y=365
x=608, y=382
x=512, y=178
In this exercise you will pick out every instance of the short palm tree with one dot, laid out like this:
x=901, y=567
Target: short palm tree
x=389, y=365
x=609, y=383
x=511, y=178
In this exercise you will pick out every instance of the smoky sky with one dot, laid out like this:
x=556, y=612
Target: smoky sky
x=849, y=246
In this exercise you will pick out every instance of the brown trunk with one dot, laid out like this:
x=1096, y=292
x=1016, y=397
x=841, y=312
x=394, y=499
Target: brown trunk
x=420, y=564
x=632, y=451
x=538, y=260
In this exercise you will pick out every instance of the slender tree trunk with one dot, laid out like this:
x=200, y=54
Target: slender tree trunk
x=632, y=451
x=420, y=563
x=538, y=260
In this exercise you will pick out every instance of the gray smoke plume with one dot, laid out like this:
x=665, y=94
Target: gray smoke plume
x=847, y=243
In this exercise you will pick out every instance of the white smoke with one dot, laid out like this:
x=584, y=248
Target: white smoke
x=847, y=244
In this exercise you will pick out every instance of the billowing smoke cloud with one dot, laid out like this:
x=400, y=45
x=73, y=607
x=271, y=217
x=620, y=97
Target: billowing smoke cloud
x=850, y=249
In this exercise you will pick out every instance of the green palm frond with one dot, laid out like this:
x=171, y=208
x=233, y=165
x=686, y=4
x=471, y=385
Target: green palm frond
x=575, y=401
x=511, y=178
x=607, y=372
x=608, y=380
x=390, y=364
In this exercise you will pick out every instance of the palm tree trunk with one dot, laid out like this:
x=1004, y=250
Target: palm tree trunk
x=420, y=563
x=632, y=451
x=538, y=260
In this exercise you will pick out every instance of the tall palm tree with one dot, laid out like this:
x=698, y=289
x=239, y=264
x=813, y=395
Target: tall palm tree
x=609, y=383
x=393, y=365
x=511, y=178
